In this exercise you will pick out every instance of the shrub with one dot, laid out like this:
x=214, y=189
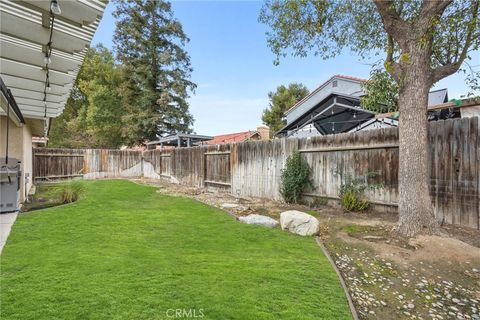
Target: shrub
x=70, y=191
x=353, y=201
x=352, y=197
x=295, y=178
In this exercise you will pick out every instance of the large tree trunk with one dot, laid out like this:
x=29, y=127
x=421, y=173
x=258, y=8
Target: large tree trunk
x=415, y=207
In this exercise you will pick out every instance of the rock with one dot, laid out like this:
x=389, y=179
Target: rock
x=299, y=222
x=229, y=205
x=373, y=238
x=260, y=220
x=410, y=306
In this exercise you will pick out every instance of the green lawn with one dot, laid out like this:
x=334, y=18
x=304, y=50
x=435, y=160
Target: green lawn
x=125, y=251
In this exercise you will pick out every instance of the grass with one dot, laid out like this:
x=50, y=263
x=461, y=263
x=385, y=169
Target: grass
x=124, y=251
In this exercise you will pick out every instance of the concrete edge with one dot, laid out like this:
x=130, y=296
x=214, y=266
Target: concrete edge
x=342, y=281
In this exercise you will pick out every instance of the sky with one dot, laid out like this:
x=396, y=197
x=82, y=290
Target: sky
x=233, y=66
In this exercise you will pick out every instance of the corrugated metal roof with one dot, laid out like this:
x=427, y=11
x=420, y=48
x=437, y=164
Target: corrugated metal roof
x=25, y=30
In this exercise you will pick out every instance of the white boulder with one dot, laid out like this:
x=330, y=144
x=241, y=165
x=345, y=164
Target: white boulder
x=299, y=222
x=229, y=205
x=260, y=220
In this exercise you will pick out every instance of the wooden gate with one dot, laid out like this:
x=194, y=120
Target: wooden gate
x=217, y=169
x=54, y=164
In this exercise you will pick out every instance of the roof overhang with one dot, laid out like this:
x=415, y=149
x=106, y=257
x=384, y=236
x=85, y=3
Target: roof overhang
x=24, y=37
x=175, y=138
x=335, y=114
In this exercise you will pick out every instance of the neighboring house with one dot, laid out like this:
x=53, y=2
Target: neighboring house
x=441, y=110
x=390, y=120
x=262, y=133
x=36, y=76
x=39, y=142
x=134, y=148
x=334, y=107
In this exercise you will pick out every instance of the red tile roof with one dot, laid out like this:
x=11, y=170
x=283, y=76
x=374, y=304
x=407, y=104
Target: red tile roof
x=39, y=139
x=349, y=78
x=231, y=137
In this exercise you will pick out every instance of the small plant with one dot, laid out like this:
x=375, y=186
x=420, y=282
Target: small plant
x=70, y=191
x=352, y=197
x=353, y=201
x=295, y=178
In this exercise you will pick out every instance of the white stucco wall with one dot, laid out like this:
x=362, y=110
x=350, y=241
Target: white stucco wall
x=19, y=147
x=469, y=112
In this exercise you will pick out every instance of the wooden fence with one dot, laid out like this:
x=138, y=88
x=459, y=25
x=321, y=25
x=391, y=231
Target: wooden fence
x=54, y=164
x=253, y=168
x=57, y=163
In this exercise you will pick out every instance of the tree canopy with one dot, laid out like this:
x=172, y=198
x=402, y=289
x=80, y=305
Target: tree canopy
x=381, y=92
x=280, y=101
x=325, y=28
x=137, y=96
x=150, y=43
x=93, y=113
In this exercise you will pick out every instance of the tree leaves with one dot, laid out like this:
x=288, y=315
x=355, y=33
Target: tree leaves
x=150, y=43
x=93, y=114
x=381, y=92
x=280, y=101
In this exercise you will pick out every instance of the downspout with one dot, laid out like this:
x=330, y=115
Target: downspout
x=6, y=144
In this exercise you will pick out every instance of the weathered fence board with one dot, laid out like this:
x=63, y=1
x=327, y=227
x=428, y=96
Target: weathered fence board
x=54, y=164
x=254, y=168
x=104, y=163
x=49, y=163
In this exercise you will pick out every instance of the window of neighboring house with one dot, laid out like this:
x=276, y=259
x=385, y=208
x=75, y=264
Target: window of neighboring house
x=334, y=83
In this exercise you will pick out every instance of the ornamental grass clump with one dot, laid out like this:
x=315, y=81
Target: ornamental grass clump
x=70, y=191
x=295, y=178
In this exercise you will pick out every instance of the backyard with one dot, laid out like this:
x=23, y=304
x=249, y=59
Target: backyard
x=124, y=250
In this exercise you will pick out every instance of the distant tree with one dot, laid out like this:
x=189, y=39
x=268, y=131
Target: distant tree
x=381, y=92
x=93, y=113
x=280, y=101
x=150, y=43
x=424, y=42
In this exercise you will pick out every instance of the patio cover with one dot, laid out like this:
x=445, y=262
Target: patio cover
x=335, y=114
x=179, y=140
x=24, y=37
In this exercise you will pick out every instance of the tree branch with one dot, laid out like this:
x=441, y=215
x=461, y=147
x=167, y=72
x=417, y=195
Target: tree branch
x=391, y=66
x=394, y=25
x=433, y=8
x=449, y=69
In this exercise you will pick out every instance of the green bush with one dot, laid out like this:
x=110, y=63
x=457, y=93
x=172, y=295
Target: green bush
x=295, y=178
x=352, y=197
x=70, y=191
x=353, y=201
